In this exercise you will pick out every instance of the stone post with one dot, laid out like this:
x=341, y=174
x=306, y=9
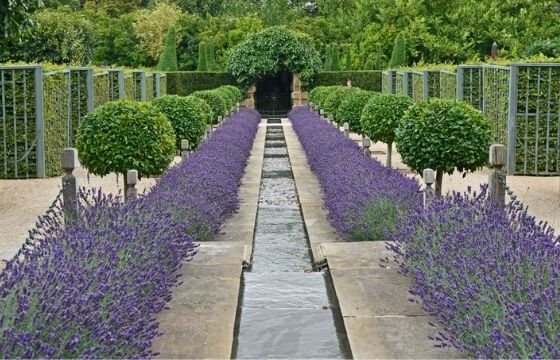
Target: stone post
x=208, y=131
x=497, y=178
x=346, y=129
x=429, y=179
x=237, y=107
x=69, y=185
x=366, y=143
x=131, y=181
x=322, y=114
x=220, y=119
x=185, y=149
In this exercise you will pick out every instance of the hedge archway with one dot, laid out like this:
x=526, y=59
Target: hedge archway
x=273, y=50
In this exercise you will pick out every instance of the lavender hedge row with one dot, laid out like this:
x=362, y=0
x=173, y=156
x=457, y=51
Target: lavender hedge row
x=365, y=199
x=489, y=274
x=92, y=290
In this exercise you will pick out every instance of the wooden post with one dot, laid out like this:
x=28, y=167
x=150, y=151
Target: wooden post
x=429, y=180
x=69, y=185
x=346, y=128
x=497, y=178
x=131, y=181
x=366, y=143
x=185, y=149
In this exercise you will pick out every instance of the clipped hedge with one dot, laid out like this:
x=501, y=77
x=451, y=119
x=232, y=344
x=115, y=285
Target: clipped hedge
x=123, y=135
x=236, y=93
x=186, y=82
x=364, y=79
x=215, y=100
x=334, y=99
x=188, y=115
x=351, y=108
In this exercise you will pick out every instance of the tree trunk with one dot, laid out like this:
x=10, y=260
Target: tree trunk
x=389, y=154
x=439, y=180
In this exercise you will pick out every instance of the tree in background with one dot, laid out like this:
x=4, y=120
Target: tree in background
x=168, y=59
x=378, y=63
x=60, y=37
x=211, y=56
x=335, y=55
x=15, y=18
x=328, y=58
x=151, y=25
x=202, y=60
x=348, y=61
x=398, y=57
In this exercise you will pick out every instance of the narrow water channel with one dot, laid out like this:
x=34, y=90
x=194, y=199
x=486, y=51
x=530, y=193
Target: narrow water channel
x=286, y=310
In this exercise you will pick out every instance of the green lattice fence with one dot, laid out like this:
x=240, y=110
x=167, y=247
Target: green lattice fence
x=20, y=133
x=447, y=84
x=416, y=81
x=40, y=112
x=535, y=116
x=495, y=100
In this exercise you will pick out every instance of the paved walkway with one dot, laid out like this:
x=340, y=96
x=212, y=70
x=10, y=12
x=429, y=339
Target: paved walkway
x=200, y=321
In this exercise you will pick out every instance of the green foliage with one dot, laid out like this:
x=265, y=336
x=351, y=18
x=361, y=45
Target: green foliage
x=216, y=102
x=398, y=57
x=59, y=37
x=378, y=63
x=335, y=54
x=229, y=98
x=443, y=135
x=351, y=107
x=186, y=82
x=316, y=95
x=211, y=56
x=15, y=18
x=366, y=80
x=379, y=218
x=348, y=61
x=382, y=116
x=124, y=135
x=271, y=51
x=235, y=92
x=202, y=60
x=328, y=58
x=333, y=100
x=188, y=115
x=168, y=59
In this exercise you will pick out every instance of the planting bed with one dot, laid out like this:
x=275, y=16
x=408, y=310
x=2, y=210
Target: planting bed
x=92, y=289
x=490, y=275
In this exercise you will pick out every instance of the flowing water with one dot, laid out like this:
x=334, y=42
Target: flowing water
x=286, y=310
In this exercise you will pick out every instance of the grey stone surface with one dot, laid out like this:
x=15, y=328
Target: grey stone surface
x=380, y=321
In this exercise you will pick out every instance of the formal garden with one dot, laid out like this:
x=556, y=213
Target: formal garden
x=236, y=179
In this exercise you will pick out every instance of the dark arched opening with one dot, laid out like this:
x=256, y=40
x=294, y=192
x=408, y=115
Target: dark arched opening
x=274, y=94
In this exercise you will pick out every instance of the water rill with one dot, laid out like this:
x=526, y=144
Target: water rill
x=286, y=309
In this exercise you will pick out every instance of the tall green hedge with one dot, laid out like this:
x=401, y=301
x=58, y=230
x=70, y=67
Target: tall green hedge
x=186, y=82
x=364, y=79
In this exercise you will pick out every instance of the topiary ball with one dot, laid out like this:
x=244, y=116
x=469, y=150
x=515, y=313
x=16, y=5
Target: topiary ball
x=216, y=102
x=351, y=107
x=236, y=93
x=443, y=135
x=334, y=98
x=124, y=135
x=188, y=116
x=382, y=115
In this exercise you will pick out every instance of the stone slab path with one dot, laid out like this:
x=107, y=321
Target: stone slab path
x=200, y=321
x=380, y=321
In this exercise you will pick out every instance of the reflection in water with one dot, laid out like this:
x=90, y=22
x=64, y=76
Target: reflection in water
x=285, y=310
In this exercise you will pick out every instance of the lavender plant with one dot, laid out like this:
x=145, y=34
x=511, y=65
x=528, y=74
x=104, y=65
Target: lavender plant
x=365, y=199
x=489, y=274
x=92, y=289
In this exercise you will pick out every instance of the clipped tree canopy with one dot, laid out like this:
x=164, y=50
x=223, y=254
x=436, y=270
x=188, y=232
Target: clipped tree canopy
x=270, y=51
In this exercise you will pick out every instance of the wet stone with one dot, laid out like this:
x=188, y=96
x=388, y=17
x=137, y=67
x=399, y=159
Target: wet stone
x=285, y=311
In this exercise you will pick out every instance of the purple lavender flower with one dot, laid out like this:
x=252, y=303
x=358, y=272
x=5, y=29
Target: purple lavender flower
x=92, y=289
